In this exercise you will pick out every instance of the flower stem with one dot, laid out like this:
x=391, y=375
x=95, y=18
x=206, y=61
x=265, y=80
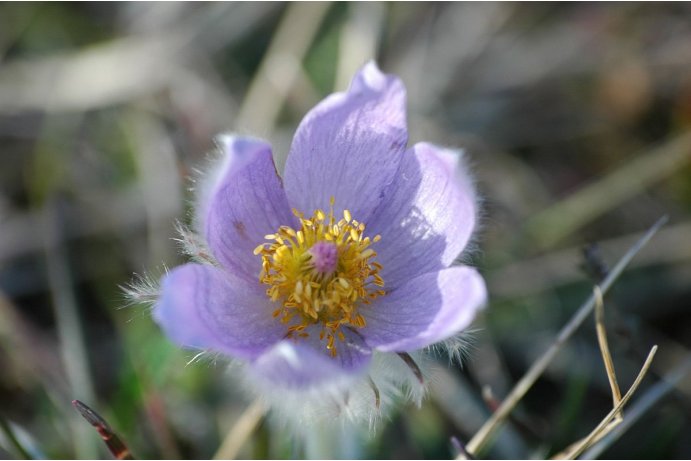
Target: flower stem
x=241, y=431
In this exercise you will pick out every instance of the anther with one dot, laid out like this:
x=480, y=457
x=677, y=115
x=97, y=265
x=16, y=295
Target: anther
x=320, y=273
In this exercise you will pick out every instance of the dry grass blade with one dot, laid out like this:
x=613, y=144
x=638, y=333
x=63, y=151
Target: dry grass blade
x=281, y=66
x=607, y=424
x=553, y=224
x=359, y=39
x=611, y=374
x=105, y=74
x=483, y=436
x=242, y=429
x=71, y=335
x=642, y=405
x=604, y=347
x=556, y=268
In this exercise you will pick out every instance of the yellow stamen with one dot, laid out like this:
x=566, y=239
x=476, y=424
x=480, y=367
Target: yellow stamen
x=325, y=292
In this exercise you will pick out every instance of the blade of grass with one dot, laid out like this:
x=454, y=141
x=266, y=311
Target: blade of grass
x=71, y=336
x=482, y=437
x=11, y=437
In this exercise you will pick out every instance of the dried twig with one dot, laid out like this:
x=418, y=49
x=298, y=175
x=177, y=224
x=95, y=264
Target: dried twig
x=481, y=438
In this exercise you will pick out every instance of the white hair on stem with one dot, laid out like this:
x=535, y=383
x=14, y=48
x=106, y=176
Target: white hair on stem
x=345, y=402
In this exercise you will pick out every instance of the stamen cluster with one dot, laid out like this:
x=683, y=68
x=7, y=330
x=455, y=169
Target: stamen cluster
x=320, y=274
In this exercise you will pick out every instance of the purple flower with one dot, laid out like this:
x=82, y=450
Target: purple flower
x=315, y=276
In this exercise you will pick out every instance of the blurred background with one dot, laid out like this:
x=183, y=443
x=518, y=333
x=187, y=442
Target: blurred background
x=576, y=119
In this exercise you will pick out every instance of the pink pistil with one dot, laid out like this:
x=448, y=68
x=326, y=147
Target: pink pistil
x=324, y=257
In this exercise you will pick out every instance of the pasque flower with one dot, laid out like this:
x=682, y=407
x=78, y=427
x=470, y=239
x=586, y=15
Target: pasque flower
x=328, y=279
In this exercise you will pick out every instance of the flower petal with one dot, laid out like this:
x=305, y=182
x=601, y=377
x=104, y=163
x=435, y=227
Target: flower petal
x=426, y=310
x=245, y=203
x=427, y=215
x=304, y=364
x=204, y=307
x=349, y=146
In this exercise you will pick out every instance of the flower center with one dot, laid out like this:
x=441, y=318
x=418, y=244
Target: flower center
x=320, y=274
x=324, y=257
